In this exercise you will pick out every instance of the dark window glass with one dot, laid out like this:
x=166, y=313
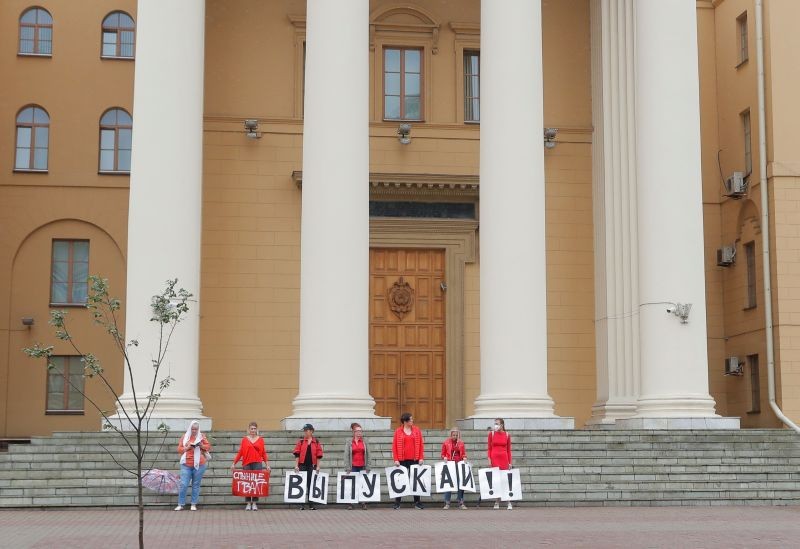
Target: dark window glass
x=439, y=210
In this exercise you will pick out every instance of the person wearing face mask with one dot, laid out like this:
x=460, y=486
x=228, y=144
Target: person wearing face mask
x=453, y=449
x=356, y=454
x=254, y=458
x=499, y=450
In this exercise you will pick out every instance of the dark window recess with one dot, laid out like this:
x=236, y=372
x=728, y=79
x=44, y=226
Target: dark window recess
x=438, y=210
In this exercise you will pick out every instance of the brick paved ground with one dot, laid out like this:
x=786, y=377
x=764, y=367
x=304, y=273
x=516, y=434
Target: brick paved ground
x=727, y=527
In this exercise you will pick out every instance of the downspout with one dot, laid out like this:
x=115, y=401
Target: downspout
x=765, y=241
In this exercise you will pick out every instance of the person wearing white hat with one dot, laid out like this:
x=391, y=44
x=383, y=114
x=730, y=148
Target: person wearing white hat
x=194, y=450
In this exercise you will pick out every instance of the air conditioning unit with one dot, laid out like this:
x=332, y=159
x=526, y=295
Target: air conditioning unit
x=726, y=256
x=736, y=185
x=733, y=366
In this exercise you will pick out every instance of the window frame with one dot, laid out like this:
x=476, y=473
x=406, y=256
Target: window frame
x=35, y=26
x=117, y=31
x=742, y=40
x=755, y=384
x=402, y=96
x=747, y=136
x=32, y=145
x=115, y=128
x=751, y=296
x=64, y=374
x=70, y=272
x=466, y=98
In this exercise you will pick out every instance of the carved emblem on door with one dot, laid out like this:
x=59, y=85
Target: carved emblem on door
x=401, y=298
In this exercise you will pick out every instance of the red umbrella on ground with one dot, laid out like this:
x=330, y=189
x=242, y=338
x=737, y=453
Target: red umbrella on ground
x=160, y=481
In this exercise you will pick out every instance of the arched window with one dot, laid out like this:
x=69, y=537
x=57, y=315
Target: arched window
x=115, y=141
x=118, y=35
x=33, y=129
x=36, y=32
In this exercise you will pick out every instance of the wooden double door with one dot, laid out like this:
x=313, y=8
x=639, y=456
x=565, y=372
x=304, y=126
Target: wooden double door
x=407, y=334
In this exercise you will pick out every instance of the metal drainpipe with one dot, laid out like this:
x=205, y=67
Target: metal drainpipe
x=762, y=176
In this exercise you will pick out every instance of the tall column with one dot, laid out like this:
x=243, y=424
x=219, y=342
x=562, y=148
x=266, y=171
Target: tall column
x=615, y=225
x=334, y=255
x=674, y=360
x=513, y=296
x=165, y=199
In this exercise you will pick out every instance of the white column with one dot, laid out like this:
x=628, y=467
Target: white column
x=615, y=224
x=513, y=296
x=674, y=357
x=165, y=198
x=334, y=256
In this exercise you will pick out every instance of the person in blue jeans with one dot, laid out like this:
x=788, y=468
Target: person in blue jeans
x=194, y=450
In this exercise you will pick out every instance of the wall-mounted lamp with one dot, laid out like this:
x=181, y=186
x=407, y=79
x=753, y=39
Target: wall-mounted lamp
x=27, y=321
x=404, y=134
x=251, y=125
x=681, y=310
x=550, y=137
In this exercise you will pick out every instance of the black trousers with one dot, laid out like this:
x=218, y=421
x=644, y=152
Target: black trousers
x=407, y=463
x=309, y=469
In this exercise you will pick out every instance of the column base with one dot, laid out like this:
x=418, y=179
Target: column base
x=678, y=423
x=373, y=423
x=518, y=423
x=175, y=412
x=608, y=413
x=676, y=406
x=508, y=406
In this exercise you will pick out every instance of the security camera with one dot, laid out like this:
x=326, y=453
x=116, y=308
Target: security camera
x=670, y=309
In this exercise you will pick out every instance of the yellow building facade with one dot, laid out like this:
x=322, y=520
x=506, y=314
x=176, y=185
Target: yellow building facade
x=422, y=296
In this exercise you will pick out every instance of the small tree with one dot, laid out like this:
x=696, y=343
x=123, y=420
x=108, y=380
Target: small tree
x=168, y=309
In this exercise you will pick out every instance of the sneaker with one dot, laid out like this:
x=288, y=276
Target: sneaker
x=302, y=507
x=462, y=506
x=509, y=506
x=364, y=506
x=179, y=508
x=418, y=505
x=395, y=506
x=254, y=507
x=312, y=507
x=248, y=506
x=497, y=505
x=350, y=507
x=193, y=507
x=446, y=506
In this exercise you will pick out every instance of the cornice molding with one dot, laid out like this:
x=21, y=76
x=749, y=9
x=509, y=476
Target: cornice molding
x=415, y=184
x=465, y=30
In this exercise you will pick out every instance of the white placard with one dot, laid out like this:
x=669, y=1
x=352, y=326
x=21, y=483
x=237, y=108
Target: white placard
x=491, y=483
x=397, y=482
x=446, y=476
x=420, y=476
x=319, y=488
x=294, y=487
x=511, y=485
x=369, y=487
x=466, y=481
x=346, y=487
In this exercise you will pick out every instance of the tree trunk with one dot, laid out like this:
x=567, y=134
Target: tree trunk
x=139, y=458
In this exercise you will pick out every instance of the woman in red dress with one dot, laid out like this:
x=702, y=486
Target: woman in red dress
x=499, y=450
x=254, y=457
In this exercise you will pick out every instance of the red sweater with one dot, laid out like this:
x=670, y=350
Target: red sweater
x=398, y=449
x=251, y=452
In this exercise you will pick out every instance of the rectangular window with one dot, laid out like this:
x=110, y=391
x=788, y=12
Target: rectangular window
x=741, y=37
x=65, y=385
x=750, y=256
x=402, y=84
x=748, y=146
x=472, y=88
x=69, y=272
x=755, y=384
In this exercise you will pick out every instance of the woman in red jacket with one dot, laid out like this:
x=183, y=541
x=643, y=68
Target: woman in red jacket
x=254, y=458
x=499, y=450
x=307, y=455
x=408, y=449
x=453, y=449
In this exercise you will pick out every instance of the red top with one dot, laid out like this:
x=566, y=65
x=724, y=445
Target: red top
x=302, y=447
x=408, y=445
x=251, y=452
x=358, y=453
x=189, y=451
x=453, y=451
x=499, y=449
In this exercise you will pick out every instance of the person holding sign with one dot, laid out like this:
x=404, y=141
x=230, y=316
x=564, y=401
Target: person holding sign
x=254, y=458
x=194, y=449
x=453, y=449
x=499, y=450
x=307, y=453
x=356, y=454
x=408, y=448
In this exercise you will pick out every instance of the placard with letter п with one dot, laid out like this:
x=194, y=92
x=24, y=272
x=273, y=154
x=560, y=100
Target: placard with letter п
x=250, y=483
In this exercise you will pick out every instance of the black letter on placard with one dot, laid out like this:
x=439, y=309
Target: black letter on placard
x=417, y=475
x=352, y=480
x=370, y=485
x=319, y=485
x=295, y=487
x=510, y=484
x=466, y=474
x=445, y=478
x=392, y=476
x=489, y=482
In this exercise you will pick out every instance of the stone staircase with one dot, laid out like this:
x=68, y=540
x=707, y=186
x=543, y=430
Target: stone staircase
x=559, y=468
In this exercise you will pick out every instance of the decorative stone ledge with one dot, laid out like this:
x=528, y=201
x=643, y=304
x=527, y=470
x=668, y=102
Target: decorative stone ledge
x=336, y=423
x=519, y=423
x=687, y=423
